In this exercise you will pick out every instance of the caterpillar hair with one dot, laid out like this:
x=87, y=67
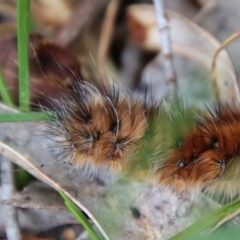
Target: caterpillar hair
x=182, y=148
x=208, y=158
x=94, y=128
x=209, y=150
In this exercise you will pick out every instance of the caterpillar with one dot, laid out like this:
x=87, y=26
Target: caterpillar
x=97, y=128
x=184, y=148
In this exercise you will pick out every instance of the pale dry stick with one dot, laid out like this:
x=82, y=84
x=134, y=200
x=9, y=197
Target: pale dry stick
x=165, y=42
x=214, y=63
x=83, y=16
x=18, y=159
x=8, y=189
x=106, y=35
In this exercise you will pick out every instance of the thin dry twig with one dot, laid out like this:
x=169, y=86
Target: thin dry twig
x=18, y=159
x=85, y=13
x=214, y=65
x=8, y=189
x=165, y=42
x=106, y=35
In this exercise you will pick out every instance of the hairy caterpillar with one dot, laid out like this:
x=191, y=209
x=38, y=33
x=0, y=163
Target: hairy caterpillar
x=182, y=148
x=98, y=128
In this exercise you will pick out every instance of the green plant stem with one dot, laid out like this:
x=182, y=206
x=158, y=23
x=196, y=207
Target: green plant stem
x=4, y=91
x=208, y=221
x=23, y=8
x=80, y=217
x=25, y=116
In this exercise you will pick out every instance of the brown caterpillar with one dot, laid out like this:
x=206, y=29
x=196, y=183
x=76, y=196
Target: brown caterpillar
x=180, y=148
x=98, y=128
x=209, y=155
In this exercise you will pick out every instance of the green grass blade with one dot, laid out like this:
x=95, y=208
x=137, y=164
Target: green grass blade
x=4, y=91
x=208, y=221
x=23, y=8
x=31, y=23
x=80, y=217
x=25, y=116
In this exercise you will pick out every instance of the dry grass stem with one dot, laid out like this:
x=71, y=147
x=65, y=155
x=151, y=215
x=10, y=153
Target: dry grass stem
x=8, y=189
x=106, y=35
x=165, y=42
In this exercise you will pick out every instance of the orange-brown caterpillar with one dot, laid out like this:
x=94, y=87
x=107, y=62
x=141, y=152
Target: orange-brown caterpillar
x=208, y=157
x=182, y=149
x=98, y=128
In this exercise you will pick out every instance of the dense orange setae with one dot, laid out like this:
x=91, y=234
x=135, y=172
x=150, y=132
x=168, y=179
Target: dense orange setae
x=96, y=128
x=206, y=154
